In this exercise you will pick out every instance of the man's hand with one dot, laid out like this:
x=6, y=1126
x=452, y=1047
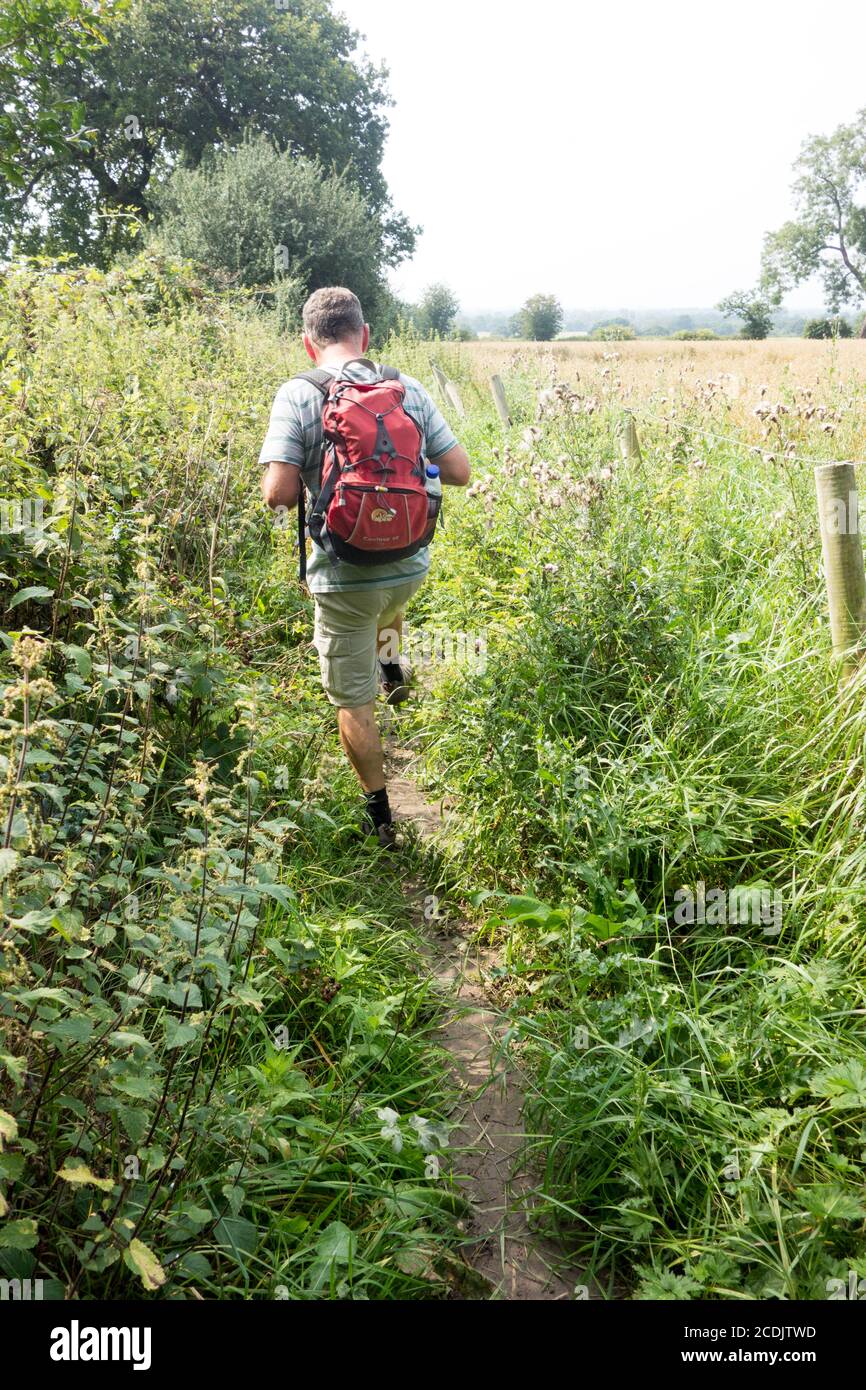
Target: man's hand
x=453, y=466
x=281, y=484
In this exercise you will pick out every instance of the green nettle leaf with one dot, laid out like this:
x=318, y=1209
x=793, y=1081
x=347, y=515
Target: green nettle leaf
x=11, y=1166
x=38, y=592
x=79, y=1175
x=73, y=1030
x=121, y=1038
x=19, y=1235
x=140, y=1087
x=81, y=658
x=187, y=992
x=144, y=1263
x=134, y=1121
x=178, y=1034
x=238, y=1235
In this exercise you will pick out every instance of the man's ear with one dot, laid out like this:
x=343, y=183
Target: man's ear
x=310, y=348
x=365, y=338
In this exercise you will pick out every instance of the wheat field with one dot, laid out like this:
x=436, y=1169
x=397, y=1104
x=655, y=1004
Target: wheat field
x=744, y=374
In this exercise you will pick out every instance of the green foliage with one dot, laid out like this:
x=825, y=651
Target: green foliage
x=754, y=309
x=697, y=335
x=540, y=318
x=175, y=79
x=267, y=218
x=828, y=235
x=198, y=969
x=613, y=332
x=657, y=711
x=207, y=986
x=36, y=39
x=437, y=311
x=827, y=328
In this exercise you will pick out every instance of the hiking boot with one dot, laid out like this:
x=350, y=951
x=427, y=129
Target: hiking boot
x=394, y=680
x=387, y=836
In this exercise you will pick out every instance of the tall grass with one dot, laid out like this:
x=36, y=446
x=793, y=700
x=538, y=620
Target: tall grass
x=659, y=711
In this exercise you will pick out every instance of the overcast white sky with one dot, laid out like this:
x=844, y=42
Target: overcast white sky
x=624, y=154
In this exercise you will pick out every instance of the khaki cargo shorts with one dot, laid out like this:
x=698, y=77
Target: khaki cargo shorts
x=344, y=635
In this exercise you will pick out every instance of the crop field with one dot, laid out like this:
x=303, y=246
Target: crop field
x=741, y=374
x=220, y=1072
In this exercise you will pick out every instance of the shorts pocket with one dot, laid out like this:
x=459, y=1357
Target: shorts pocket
x=347, y=663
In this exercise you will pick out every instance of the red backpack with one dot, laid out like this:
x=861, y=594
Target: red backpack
x=373, y=505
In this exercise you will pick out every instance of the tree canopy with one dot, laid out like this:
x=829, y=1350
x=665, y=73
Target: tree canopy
x=754, y=309
x=270, y=217
x=827, y=328
x=174, y=80
x=541, y=317
x=437, y=310
x=828, y=235
x=36, y=38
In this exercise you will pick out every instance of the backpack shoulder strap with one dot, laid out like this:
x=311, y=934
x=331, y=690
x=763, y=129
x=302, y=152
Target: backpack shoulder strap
x=390, y=374
x=321, y=379
x=317, y=377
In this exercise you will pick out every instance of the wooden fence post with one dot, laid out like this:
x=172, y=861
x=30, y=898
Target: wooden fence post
x=499, y=400
x=453, y=396
x=629, y=444
x=440, y=379
x=839, y=519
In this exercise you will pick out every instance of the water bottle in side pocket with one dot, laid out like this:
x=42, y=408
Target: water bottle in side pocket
x=433, y=483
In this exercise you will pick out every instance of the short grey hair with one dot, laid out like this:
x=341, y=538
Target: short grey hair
x=333, y=314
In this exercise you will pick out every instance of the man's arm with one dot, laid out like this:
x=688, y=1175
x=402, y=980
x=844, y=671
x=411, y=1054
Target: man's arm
x=453, y=466
x=281, y=484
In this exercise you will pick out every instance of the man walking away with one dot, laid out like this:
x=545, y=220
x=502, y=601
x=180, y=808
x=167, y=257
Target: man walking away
x=373, y=495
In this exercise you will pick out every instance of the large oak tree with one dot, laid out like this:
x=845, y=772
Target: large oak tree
x=176, y=79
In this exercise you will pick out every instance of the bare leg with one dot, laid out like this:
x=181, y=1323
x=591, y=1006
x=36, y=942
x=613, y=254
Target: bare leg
x=359, y=735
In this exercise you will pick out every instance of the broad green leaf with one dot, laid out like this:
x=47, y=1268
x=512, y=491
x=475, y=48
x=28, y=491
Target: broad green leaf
x=178, y=1034
x=335, y=1247
x=19, y=1235
x=34, y=591
x=81, y=658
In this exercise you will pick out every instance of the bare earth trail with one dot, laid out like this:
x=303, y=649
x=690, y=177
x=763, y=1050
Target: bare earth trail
x=508, y=1258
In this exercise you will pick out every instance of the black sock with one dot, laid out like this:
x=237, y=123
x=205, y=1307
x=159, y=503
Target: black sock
x=378, y=809
x=392, y=672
